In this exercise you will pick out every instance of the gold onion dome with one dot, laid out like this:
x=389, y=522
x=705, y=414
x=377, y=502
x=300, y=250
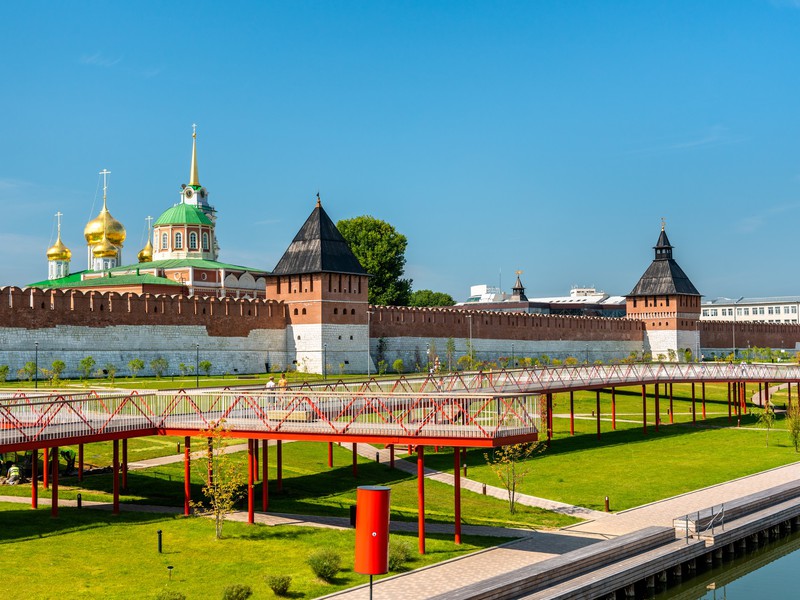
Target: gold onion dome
x=104, y=225
x=59, y=251
x=146, y=253
x=105, y=249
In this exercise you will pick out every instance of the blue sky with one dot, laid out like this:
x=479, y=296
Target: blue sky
x=549, y=137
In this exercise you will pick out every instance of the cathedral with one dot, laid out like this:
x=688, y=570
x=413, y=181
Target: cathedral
x=180, y=256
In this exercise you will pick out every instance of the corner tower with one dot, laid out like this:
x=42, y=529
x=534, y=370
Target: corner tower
x=324, y=288
x=667, y=303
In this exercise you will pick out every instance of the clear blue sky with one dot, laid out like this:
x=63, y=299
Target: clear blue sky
x=549, y=137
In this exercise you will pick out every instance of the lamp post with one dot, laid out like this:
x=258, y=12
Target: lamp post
x=36, y=365
x=197, y=365
x=325, y=361
x=733, y=329
x=369, y=314
x=428, y=357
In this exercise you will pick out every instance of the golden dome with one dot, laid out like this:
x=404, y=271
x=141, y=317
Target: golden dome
x=59, y=251
x=105, y=249
x=146, y=253
x=104, y=224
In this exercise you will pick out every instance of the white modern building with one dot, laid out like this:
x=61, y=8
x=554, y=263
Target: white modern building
x=777, y=309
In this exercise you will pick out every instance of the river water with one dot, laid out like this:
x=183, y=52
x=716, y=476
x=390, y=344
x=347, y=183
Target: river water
x=770, y=571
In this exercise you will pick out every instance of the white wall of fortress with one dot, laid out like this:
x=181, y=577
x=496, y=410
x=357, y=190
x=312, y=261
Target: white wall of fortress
x=119, y=344
x=343, y=348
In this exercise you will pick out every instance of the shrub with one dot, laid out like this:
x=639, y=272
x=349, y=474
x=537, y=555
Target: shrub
x=279, y=584
x=237, y=592
x=170, y=595
x=325, y=564
x=398, y=365
x=399, y=554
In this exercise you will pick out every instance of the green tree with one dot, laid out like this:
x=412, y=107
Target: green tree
x=159, y=366
x=135, y=365
x=183, y=369
x=450, y=352
x=27, y=371
x=85, y=366
x=793, y=424
x=223, y=481
x=3, y=373
x=381, y=251
x=767, y=419
x=110, y=372
x=53, y=374
x=430, y=298
x=398, y=365
x=511, y=465
x=205, y=367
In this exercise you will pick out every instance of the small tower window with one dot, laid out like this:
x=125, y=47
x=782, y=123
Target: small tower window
x=304, y=311
x=178, y=240
x=164, y=241
x=336, y=311
x=193, y=241
x=205, y=241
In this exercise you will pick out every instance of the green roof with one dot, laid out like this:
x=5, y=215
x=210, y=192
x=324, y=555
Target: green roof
x=132, y=279
x=183, y=214
x=173, y=263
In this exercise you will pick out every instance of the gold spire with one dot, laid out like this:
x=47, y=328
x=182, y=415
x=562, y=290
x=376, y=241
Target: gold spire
x=319, y=201
x=146, y=253
x=59, y=251
x=194, y=179
x=663, y=223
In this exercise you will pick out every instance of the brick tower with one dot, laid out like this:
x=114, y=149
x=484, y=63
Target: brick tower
x=667, y=303
x=325, y=290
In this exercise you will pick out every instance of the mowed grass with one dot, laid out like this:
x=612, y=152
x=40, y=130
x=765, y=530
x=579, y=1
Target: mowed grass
x=92, y=554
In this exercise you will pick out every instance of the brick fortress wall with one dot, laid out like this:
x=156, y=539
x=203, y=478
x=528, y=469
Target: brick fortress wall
x=720, y=335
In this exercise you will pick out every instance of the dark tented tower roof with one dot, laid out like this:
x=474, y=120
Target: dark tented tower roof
x=664, y=277
x=318, y=248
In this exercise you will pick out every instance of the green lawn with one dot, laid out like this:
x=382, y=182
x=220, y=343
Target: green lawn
x=91, y=554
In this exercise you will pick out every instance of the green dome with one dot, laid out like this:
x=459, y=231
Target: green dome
x=183, y=214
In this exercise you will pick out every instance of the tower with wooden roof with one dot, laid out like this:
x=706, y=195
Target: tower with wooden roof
x=324, y=288
x=667, y=303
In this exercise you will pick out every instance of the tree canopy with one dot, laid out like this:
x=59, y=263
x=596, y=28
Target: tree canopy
x=381, y=251
x=430, y=298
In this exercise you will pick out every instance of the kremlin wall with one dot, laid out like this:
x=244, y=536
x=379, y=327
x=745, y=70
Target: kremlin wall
x=311, y=313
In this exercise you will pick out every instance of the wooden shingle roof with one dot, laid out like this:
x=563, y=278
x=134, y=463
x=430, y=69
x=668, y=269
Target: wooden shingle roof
x=664, y=277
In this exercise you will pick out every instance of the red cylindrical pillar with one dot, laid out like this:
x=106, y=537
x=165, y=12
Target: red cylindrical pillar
x=255, y=461
x=729, y=402
x=597, y=399
x=265, y=475
x=703, y=398
x=251, y=467
x=46, y=469
x=54, y=495
x=187, y=476
x=391, y=456
x=457, y=493
x=657, y=406
x=421, y=497
x=571, y=412
x=330, y=455
x=35, y=479
x=355, y=459
x=372, y=530
x=614, y=408
x=671, y=408
x=80, y=462
x=124, y=464
x=115, y=482
x=694, y=407
x=644, y=409
x=279, y=475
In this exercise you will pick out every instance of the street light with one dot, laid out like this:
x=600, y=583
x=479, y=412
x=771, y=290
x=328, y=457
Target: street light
x=324, y=361
x=36, y=364
x=733, y=329
x=369, y=314
x=197, y=365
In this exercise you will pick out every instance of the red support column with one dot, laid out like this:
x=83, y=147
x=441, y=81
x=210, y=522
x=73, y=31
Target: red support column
x=549, y=404
x=657, y=407
x=265, y=475
x=766, y=394
x=729, y=402
x=251, y=468
x=457, y=493
x=125, y=465
x=35, y=479
x=80, y=462
x=330, y=455
x=703, y=394
x=391, y=456
x=644, y=409
x=355, y=459
x=54, y=495
x=46, y=468
x=694, y=407
x=187, y=475
x=279, y=476
x=571, y=412
x=115, y=475
x=671, y=407
x=614, y=408
x=597, y=401
x=255, y=460
x=421, y=497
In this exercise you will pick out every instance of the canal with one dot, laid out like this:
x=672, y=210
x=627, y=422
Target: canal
x=768, y=571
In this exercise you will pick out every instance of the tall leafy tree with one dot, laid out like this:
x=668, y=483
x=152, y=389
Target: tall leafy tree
x=430, y=298
x=381, y=250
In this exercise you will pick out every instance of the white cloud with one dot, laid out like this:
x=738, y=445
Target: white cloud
x=99, y=60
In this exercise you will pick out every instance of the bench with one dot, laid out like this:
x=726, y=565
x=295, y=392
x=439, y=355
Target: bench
x=288, y=415
x=561, y=568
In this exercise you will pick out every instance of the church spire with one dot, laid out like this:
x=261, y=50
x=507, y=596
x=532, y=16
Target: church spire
x=194, y=179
